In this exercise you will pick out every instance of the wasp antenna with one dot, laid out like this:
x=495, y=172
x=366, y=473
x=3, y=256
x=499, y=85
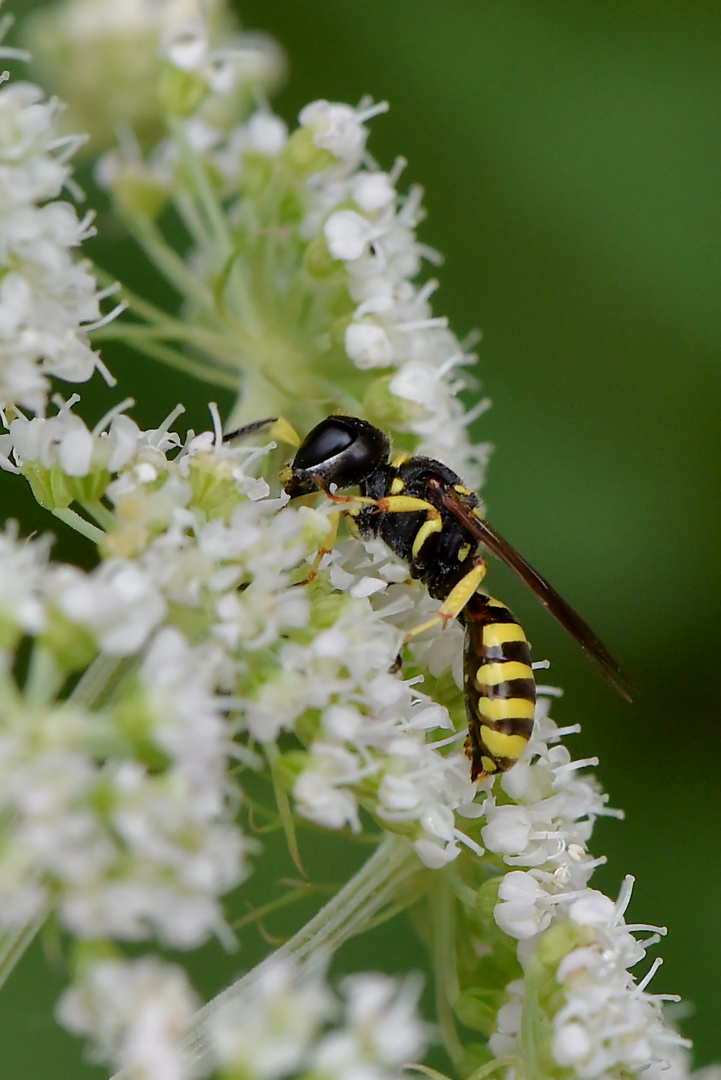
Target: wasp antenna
x=276, y=426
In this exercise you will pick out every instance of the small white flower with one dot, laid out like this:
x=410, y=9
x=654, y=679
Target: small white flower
x=322, y=790
x=508, y=830
x=267, y=134
x=383, y=1028
x=339, y=128
x=23, y=566
x=525, y=908
x=373, y=191
x=368, y=345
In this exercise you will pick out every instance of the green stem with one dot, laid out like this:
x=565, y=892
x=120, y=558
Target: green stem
x=92, y=687
x=444, y=964
x=69, y=517
x=349, y=913
x=209, y=202
x=14, y=944
x=167, y=260
x=220, y=349
x=199, y=369
x=492, y=1067
x=104, y=517
x=44, y=678
x=284, y=808
x=531, y=1034
x=301, y=892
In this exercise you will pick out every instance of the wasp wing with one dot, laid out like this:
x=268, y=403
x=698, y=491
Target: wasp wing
x=563, y=612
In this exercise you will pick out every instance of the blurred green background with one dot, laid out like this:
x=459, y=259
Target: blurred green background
x=571, y=156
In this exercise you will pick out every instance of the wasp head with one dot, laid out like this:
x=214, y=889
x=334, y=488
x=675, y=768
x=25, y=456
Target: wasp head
x=341, y=450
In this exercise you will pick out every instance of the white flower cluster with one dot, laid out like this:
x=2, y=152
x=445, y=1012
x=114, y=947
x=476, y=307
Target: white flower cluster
x=334, y=291
x=64, y=444
x=546, y=829
x=117, y=816
x=23, y=567
x=104, y=59
x=231, y=576
x=326, y=675
x=369, y=748
x=607, y=1025
x=49, y=299
x=282, y=1027
x=136, y=1013
x=288, y=1023
x=606, y=1021
x=369, y=228
x=244, y=62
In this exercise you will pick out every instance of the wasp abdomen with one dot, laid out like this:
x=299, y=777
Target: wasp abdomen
x=500, y=689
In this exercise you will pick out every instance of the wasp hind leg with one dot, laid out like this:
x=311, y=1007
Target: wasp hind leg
x=457, y=600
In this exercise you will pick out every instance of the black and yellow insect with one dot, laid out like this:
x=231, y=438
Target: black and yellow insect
x=421, y=509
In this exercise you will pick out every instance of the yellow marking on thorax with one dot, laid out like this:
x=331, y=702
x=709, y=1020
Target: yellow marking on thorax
x=495, y=673
x=397, y=486
x=430, y=526
x=463, y=552
x=505, y=709
x=496, y=634
x=462, y=489
x=502, y=745
x=489, y=765
x=400, y=458
x=476, y=512
x=404, y=504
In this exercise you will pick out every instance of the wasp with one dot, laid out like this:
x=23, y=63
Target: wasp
x=425, y=514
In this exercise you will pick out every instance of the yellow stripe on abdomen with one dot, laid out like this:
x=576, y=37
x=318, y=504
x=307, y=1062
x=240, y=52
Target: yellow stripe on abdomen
x=501, y=671
x=497, y=634
x=503, y=746
x=494, y=709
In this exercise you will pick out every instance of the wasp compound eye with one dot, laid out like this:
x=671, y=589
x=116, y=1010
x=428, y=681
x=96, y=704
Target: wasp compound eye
x=325, y=441
x=342, y=450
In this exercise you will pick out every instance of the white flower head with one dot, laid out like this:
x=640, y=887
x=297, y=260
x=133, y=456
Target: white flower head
x=269, y=1032
x=136, y=1013
x=48, y=298
x=280, y=1025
